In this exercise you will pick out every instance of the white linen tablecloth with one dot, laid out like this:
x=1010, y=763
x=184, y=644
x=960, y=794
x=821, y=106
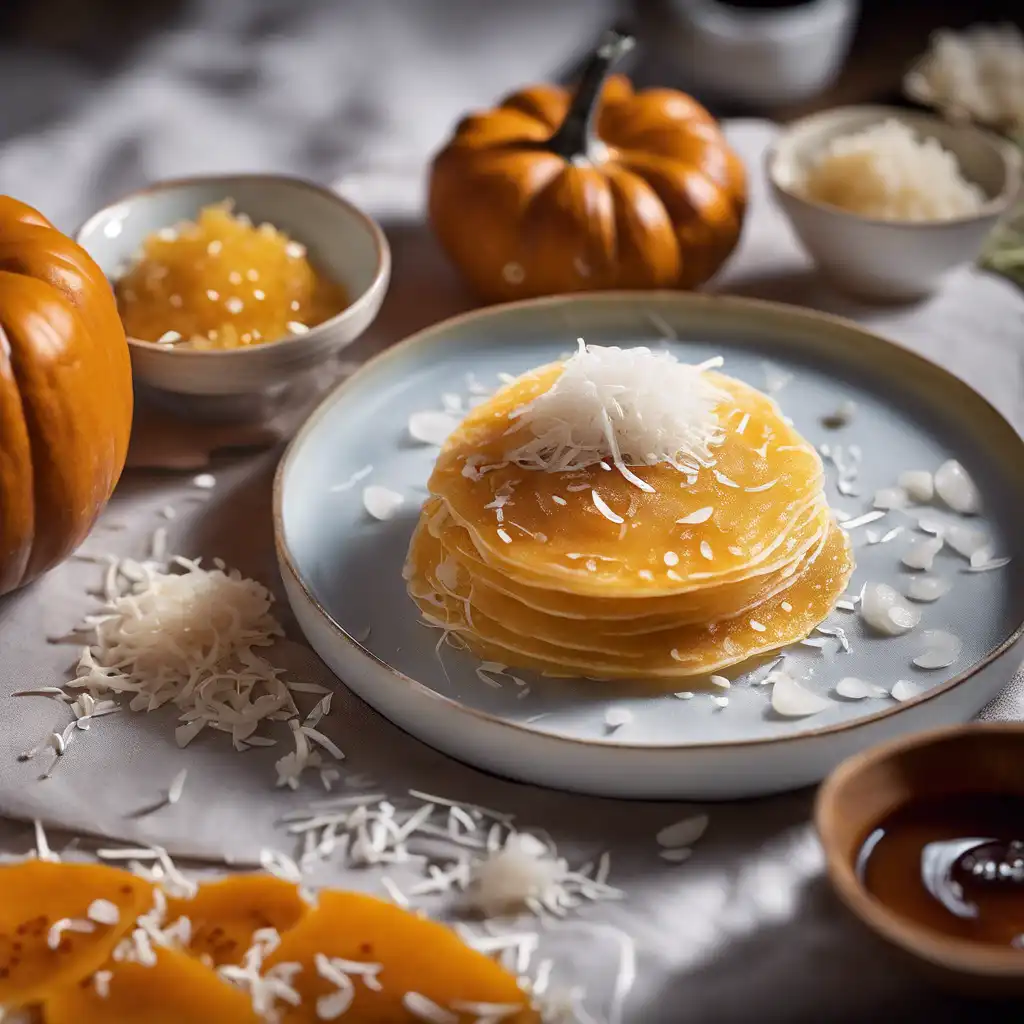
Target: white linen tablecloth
x=747, y=929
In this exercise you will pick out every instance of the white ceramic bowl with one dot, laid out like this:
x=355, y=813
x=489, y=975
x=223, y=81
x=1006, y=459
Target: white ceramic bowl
x=762, y=58
x=342, y=242
x=891, y=260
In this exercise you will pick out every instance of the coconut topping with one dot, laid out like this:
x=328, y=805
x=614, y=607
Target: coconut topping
x=629, y=406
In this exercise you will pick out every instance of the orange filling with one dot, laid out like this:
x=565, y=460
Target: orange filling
x=221, y=283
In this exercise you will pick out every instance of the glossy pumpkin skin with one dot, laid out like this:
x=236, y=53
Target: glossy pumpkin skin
x=654, y=199
x=65, y=394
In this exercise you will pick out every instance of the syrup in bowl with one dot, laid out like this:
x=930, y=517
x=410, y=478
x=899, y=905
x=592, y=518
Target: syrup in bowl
x=953, y=864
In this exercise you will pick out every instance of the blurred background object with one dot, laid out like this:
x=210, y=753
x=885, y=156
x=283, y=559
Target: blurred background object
x=763, y=54
x=104, y=95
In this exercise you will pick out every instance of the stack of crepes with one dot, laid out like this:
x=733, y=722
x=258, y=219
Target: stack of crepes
x=623, y=515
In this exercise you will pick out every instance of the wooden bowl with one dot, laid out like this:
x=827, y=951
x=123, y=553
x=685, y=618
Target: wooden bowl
x=867, y=788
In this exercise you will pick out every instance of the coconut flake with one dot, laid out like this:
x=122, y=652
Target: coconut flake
x=842, y=416
x=705, y=551
x=381, y=502
x=103, y=912
x=682, y=833
x=927, y=588
x=177, y=786
x=885, y=611
x=941, y=649
x=602, y=506
x=890, y=498
x=966, y=540
x=702, y=515
x=720, y=681
x=857, y=689
x=204, y=481
x=775, y=378
x=431, y=426
x=616, y=717
x=955, y=487
x=350, y=482
x=520, y=873
x=422, y=1008
x=868, y=517
x=906, y=690
x=994, y=563
x=791, y=700
x=676, y=856
x=630, y=406
x=922, y=554
x=919, y=484
x=670, y=558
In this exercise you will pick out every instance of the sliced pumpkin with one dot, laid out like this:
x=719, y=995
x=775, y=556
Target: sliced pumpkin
x=177, y=989
x=418, y=960
x=35, y=896
x=226, y=913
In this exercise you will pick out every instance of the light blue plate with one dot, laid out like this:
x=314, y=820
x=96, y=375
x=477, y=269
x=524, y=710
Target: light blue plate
x=342, y=569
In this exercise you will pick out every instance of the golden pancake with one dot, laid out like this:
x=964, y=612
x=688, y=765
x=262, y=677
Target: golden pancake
x=691, y=650
x=624, y=516
x=564, y=632
x=532, y=524
x=630, y=615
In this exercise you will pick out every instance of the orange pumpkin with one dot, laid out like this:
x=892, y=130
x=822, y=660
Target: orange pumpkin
x=609, y=188
x=65, y=394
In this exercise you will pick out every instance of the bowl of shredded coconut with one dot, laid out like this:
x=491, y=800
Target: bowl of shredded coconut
x=888, y=201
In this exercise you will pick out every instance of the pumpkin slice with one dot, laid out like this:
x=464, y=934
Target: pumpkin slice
x=412, y=964
x=177, y=989
x=226, y=913
x=38, y=894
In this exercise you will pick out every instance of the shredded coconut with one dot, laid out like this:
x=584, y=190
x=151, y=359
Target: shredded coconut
x=187, y=637
x=886, y=171
x=631, y=406
x=602, y=506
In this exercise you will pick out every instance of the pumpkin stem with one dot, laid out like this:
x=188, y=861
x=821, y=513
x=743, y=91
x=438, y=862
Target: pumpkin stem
x=575, y=136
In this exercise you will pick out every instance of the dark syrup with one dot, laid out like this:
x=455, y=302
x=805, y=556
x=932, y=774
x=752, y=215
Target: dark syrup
x=955, y=865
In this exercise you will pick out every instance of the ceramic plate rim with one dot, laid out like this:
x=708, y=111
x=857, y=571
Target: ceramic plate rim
x=778, y=310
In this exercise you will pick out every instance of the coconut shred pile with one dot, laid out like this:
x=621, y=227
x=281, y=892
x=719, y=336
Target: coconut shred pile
x=631, y=406
x=188, y=636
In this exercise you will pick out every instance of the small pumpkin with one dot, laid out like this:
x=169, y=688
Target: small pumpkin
x=177, y=989
x=36, y=895
x=608, y=188
x=225, y=914
x=413, y=963
x=65, y=394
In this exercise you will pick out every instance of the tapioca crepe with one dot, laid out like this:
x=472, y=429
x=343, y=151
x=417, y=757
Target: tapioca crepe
x=625, y=515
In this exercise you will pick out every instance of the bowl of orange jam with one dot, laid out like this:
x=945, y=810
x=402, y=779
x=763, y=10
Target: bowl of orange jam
x=232, y=287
